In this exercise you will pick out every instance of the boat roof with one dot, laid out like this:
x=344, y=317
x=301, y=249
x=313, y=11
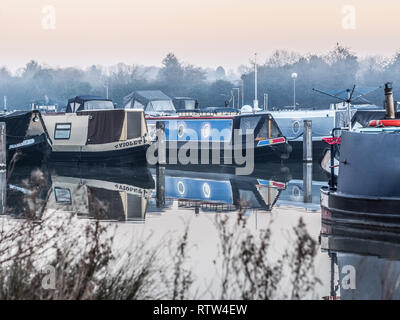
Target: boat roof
x=145, y=96
x=84, y=98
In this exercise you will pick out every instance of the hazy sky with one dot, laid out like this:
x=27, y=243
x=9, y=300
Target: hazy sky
x=202, y=32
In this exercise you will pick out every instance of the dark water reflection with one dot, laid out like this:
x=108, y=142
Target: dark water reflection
x=128, y=194
x=134, y=194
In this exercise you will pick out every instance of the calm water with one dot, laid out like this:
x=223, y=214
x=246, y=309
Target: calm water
x=160, y=201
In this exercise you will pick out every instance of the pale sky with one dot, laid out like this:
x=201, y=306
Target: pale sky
x=201, y=32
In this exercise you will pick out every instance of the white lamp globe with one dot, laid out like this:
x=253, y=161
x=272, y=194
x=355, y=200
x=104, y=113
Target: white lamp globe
x=294, y=75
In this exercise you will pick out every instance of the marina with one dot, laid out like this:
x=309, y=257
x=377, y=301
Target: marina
x=199, y=159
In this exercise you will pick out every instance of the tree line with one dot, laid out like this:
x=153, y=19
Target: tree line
x=338, y=69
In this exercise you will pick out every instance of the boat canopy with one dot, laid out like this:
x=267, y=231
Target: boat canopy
x=151, y=101
x=185, y=104
x=362, y=117
x=83, y=103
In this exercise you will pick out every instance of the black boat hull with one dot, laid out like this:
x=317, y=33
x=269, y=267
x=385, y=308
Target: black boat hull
x=366, y=212
x=122, y=157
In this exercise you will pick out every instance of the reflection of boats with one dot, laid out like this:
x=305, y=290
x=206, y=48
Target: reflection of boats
x=214, y=129
x=296, y=194
x=92, y=131
x=89, y=192
x=215, y=191
x=365, y=264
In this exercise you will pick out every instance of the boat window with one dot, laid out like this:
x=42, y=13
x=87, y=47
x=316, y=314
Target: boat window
x=190, y=104
x=62, y=195
x=98, y=105
x=161, y=106
x=248, y=123
x=62, y=131
x=138, y=105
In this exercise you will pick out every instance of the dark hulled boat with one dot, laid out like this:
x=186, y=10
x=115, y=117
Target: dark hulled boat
x=92, y=131
x=26, y=137
x=366, y=191
x=210, y=129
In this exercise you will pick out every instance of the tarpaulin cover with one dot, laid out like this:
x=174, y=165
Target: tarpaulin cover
x=106, y=203
x=81, y=101
x=104, y=126
x=134, y=123
x=369, y=164
x=17, y=124
x=145, y=96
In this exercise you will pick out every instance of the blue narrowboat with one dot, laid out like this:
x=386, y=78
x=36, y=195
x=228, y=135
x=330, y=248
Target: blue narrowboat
x=221, y=129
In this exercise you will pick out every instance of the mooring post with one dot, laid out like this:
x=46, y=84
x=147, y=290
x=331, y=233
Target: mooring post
x=3, y=151
x=160, y=187
x=3, y=166
x=307, y=141
x=162, y=152
x=307, y=182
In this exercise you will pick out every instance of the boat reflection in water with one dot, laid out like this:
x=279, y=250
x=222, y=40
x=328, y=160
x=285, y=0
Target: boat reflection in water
x=92, y=193
x=126, y=194
x=216, y=191
x=365, y=262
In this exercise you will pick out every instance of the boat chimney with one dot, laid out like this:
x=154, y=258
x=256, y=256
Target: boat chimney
x=389, y=103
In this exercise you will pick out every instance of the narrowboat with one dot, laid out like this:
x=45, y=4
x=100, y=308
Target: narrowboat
x=366, y=189
x=26, y=137
x=92, y=131
x=211, y=130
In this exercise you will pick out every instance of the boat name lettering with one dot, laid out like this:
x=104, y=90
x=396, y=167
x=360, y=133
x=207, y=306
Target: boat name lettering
x=128, y=144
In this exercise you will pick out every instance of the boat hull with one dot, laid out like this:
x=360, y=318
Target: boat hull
x=129, y=156
x=367, y=212
x=218, y=132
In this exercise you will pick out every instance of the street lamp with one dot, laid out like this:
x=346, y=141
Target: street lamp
x=238, y=96
x=255, y=103
x=294, y=77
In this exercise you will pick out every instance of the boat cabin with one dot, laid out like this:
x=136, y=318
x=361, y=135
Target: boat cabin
x=81, y=103
x=150, y=101
x=185, y=104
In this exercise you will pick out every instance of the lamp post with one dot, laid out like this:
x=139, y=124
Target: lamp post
x=255, y=82
x=238, y=96
x=294, y=77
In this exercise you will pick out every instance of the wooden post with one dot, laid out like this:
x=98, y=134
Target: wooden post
x=160, y=187
x=162, y=152
x=307, y=141
x=3, y=146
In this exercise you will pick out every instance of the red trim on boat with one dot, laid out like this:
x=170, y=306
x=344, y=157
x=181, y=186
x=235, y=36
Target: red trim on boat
x=332, y=140
x=185, y=118
x=278, y=140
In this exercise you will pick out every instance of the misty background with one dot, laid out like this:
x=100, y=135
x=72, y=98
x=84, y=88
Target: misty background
x=338, y=69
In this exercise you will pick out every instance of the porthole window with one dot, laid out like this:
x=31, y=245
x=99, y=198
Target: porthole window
x=206, y=190
x=296, y=126
x=206, y=131
x=181, y=188
x=181, y=130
